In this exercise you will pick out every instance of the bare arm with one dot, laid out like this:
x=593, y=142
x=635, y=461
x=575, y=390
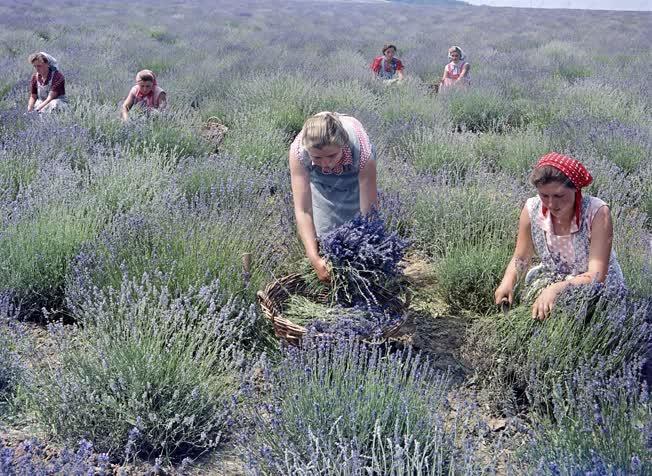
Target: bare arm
x=162, y=101
x=400, y=74
x=465, y=71
x=302, y=198
x=443, y=78
x=368, y=186
x=30, y=103
x=522, y=256
x=126, y=106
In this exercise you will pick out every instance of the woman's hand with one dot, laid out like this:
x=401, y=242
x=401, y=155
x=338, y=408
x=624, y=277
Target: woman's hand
x=321, y=268
x=546, y=300
x=504, y=292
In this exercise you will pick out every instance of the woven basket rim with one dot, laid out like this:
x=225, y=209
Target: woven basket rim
x=283, y=287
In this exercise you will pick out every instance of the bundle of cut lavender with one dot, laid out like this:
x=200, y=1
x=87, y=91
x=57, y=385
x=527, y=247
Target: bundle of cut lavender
x=366, y=279
x=365, y=260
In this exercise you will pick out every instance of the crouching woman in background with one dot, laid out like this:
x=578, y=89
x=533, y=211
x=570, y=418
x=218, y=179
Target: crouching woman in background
x=333, y=175
x=571, y=235
x=145, y=93
x=387, y=66
x=457, y=71
x=48, y=86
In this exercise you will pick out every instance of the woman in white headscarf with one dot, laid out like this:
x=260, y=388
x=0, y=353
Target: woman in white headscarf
x=48, y=86
x=457, y=70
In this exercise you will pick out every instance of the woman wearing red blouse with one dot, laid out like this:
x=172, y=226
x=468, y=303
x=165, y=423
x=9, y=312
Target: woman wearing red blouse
x=48, y=86
x=387, y=66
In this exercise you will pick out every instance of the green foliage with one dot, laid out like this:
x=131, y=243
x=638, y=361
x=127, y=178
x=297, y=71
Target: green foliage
x=626, y=154
x=16, y=174
x=513, y=153
x=485, y=111
x=432, y=151
x=12, y=367
x=162, y=35
x=255, y=142
x=600, y=101
x=35, y=252
x=145, y=359
x=467, y=276
x=516, y=356
x=482, y=210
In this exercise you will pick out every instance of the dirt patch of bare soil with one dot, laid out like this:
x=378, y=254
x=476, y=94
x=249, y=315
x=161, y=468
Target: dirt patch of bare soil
x=430, y=327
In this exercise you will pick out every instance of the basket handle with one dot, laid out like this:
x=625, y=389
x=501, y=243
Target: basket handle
x=213, y=120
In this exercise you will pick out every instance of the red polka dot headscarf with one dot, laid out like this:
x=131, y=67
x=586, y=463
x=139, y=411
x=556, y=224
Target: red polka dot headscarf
x=576, y=173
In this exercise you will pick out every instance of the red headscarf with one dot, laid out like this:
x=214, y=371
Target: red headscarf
x=576, y=173
x=144, y=72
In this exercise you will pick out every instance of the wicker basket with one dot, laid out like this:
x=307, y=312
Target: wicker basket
x=274, y=296
x=214, y=131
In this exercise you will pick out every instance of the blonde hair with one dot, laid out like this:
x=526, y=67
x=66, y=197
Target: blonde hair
x=324, y=129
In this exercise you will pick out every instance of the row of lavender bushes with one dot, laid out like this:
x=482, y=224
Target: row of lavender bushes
x=136, y=232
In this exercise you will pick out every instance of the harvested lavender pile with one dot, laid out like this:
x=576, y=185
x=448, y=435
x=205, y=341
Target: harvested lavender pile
x=365, y=284
x=357, y=321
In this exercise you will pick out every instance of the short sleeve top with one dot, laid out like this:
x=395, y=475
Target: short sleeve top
x=55, y=77
x=390, y=67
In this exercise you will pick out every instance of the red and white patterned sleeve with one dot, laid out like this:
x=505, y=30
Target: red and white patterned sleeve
x=366, y=149
x=297, y=148
x=375, y=65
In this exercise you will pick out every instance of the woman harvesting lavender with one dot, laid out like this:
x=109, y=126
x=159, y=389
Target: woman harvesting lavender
x=457, y=70
x=387, y=66
x=146, y=93
x=48, y=86
x=333, y=173
x=570, y=234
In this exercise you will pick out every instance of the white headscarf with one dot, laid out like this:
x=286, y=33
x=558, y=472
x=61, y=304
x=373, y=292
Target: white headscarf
x=52, y=61
x=462, y=55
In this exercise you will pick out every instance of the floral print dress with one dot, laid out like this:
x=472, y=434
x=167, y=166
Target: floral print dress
x=564, y=257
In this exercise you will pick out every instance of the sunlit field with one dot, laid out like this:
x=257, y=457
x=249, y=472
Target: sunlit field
x=130, y=333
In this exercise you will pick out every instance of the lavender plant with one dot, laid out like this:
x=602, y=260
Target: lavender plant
x=144, y=358
x=590, y=412
x=12, y=366
x=481, y=209
x=468, y=275
x=520, y=358
x=485, y=111
x=384, y=412
x=31, y=458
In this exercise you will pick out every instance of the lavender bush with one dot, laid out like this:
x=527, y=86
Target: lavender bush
x=520, y=358
x=30, y=458
x=345, y=408
x=12, y=366
x=145, y=359
x=476, y=210
x=468, y=275
x=600, y=424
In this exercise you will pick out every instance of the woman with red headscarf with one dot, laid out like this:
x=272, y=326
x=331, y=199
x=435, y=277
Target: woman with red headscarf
x=571, y=234
x=145, y=93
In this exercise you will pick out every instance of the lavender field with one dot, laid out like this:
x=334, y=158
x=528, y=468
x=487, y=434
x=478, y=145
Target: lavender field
x=130, y=337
